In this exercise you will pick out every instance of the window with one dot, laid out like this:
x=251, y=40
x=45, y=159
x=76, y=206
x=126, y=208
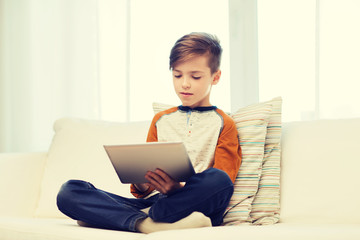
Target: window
x=309, y=54
x=151, y=28
x=94, y=59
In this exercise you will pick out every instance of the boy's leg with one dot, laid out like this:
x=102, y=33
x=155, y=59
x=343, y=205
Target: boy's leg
x=82, y=201
x=208, y=192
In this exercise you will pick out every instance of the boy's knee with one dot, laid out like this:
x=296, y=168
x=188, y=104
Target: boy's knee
x=67, y=194
x=164, y=216
x=214, y=182
x=217, y=179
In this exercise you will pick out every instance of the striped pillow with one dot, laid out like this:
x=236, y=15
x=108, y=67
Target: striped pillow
x=251, y=123
x=266, y=205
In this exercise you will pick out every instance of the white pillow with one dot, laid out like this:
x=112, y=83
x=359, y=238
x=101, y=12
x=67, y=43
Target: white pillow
x=77, y=152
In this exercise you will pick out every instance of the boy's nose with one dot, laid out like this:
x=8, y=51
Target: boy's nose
x=185, y=83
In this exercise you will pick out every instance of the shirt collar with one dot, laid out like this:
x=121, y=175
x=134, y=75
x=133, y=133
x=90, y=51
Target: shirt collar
x=199, y=109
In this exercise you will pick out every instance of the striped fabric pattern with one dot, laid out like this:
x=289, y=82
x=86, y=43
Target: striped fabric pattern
x=251, y=123
x=266, y=205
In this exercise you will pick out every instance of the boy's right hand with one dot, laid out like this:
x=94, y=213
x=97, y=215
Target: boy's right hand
x=162, y=182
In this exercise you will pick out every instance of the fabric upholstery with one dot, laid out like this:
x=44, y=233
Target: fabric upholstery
x=77, y=152
x=266, y=205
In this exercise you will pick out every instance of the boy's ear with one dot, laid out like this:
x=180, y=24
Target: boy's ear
x=216, y=78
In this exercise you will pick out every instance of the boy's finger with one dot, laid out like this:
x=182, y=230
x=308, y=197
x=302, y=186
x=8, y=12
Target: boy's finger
x=163, y=175
x=156, y=177
x=156, y=181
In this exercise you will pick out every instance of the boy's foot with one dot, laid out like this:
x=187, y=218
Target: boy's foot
x=194, y=220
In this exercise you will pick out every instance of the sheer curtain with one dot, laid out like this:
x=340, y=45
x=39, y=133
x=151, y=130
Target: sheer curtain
x=108, y=59
x=93, y=59
x=135, y=41
x=309, y=54
x=154, y=27
x=49, y=68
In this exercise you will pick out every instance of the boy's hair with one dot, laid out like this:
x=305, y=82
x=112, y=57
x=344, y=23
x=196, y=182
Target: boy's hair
x=197, y=44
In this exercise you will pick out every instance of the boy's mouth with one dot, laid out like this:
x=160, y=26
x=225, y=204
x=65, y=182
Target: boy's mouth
x=186, y=93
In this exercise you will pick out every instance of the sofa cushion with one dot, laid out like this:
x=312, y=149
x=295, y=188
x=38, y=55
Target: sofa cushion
x=270, y=232
x=56, y=229
x=20, y=178
x=77, y=152
x=320, y=172
x=63, y=229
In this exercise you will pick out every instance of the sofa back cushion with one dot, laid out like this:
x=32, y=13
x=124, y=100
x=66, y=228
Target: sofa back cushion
x=320, y=172
x=77, y=152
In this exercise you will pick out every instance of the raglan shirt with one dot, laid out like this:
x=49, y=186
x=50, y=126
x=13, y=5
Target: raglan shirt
x=209, y=135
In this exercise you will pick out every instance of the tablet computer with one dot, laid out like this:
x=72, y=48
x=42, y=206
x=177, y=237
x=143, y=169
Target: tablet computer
x=132, y=161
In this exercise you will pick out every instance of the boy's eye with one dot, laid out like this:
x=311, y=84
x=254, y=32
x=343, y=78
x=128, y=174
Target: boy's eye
x=196, y=77
x=177, y=76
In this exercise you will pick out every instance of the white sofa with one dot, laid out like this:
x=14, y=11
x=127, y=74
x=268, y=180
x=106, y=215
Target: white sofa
x=320, y=189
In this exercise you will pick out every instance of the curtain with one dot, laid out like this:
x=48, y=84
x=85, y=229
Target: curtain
x=94, y=59
x=244, y=53
x=49, y=68
x=309, y=54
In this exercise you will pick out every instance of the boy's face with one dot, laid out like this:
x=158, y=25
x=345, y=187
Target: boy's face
x=193, y=81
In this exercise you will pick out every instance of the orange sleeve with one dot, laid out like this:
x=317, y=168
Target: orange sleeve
x=228, y=151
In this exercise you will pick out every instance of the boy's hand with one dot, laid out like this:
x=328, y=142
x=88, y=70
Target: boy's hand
x=162, y=182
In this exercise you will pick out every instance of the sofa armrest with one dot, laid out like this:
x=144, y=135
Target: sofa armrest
x=20, y=180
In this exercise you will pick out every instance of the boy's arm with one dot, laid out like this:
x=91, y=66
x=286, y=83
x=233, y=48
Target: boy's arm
x=228, y=151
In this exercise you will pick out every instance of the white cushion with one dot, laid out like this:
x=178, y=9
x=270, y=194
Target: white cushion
x=320, y=172
x=63, y=229
x=20, y=180
x=77, y=152
x=270, y=232
x=56, y=229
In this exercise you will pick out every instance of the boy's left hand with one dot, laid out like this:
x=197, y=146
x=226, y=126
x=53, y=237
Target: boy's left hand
x=162, y=182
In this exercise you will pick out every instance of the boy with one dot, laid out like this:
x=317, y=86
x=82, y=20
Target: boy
x=210, y=137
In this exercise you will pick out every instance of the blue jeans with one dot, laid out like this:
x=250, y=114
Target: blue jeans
x=208, y=192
